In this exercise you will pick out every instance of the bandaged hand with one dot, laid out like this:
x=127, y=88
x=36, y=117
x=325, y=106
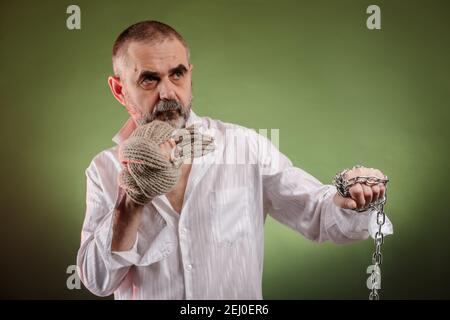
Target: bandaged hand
x=167, y=148
x=190, y=143
x=148, y=168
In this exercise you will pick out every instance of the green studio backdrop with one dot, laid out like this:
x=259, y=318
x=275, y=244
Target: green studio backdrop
x=339, y=93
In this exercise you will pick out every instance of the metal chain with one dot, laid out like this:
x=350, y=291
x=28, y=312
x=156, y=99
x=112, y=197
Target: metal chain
x=377, y=257
x=343, y=185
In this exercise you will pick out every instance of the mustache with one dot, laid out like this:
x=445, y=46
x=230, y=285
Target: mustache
x=170, y=111
x=167, y=106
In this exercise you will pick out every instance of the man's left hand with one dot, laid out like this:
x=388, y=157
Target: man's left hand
x=361, y=195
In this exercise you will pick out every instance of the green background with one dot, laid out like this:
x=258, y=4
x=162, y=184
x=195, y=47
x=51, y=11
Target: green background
x=339, y=93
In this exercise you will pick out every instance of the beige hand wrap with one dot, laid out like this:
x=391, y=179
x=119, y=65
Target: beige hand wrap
x=146, y=170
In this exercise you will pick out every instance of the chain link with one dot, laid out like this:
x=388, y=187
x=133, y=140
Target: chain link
x=343, y=185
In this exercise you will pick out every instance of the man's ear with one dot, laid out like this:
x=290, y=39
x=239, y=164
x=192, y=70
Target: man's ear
x=191, y=67
x=116, y=88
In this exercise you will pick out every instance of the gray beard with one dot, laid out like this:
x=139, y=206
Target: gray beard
x=172, y=112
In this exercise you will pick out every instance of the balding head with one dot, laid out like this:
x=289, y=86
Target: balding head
x=146, y=32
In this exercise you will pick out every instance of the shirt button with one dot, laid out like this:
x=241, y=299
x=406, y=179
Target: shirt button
x=183, y=231
x=189, y=267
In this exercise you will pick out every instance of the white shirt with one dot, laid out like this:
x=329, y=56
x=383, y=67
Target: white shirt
x=214, y=248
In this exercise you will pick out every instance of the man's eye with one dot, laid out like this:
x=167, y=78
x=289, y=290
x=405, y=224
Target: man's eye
x=177, y=75
x=148, y=82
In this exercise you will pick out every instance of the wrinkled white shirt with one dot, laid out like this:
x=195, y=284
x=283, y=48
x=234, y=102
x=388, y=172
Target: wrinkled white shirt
x=214, y=248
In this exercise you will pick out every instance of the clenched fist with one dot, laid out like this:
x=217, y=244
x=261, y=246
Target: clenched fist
x=167, y=147
x=361, y=195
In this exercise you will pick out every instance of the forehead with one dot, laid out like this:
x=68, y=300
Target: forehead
x=157, y=56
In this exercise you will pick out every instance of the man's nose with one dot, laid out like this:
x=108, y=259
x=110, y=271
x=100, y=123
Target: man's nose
x=166, y=90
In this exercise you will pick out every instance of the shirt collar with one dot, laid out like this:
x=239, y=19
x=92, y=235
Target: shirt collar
x=130, y=125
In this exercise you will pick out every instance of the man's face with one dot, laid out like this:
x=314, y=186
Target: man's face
x=156, y=82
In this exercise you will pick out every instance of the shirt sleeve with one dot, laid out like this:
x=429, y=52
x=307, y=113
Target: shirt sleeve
x=297, y=199
x=101, y=269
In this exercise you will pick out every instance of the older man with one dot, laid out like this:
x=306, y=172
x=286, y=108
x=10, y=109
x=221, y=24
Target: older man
x=203, y=239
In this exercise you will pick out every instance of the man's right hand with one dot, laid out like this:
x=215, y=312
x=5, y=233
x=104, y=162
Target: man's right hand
x=167, y=147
